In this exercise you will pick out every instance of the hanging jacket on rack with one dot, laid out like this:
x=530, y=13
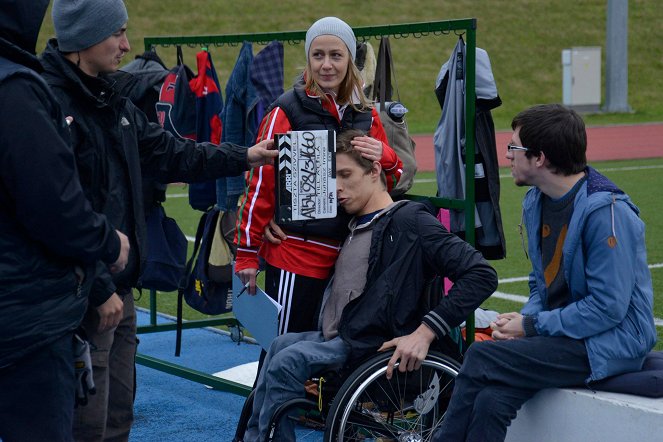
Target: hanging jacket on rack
x=209, y=105
x=449, y=143
x=267, y=77
x=240, y=94
x=366, y=63
x=252, y=86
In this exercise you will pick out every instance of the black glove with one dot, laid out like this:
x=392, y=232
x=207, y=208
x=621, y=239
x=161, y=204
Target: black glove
x=83, y=370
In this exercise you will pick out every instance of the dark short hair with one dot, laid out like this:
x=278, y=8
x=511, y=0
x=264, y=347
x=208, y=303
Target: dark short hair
x=343, y=146
x=558, y=132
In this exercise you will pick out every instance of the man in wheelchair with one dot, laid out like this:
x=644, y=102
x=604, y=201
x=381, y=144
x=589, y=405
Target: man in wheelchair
x=375, y=299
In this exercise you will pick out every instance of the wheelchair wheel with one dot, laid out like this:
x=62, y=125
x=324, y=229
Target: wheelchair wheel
x=407, y=408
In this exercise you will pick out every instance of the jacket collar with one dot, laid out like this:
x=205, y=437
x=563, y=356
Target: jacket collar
x=64, y=73
x=599, y=183
x=387, y=210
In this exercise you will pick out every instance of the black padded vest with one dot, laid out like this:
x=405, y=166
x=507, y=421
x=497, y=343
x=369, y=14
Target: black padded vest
x=306, y=113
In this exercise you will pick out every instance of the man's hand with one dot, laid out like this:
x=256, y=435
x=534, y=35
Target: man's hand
x=110, y=313
x=368, y=147
x=411, y=350
x=248, y=276
x=83, y=370
x=123, y=258
x=274, y=234
x=262, y=153
x=508, y=326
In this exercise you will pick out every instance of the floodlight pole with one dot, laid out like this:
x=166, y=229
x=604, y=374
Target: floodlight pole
x=616, y=59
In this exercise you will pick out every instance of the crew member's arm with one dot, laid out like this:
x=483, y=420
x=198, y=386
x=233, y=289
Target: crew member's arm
x=170, y=159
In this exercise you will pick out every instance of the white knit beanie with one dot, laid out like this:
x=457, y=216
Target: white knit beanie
x=332, y=26
x=80, y=24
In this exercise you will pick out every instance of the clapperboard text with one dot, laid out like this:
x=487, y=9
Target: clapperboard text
x=306, y=175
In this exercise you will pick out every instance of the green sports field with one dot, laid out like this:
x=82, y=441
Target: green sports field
x=639, y=178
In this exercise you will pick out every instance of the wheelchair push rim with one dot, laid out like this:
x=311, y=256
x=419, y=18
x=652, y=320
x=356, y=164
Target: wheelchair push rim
x=407, y=408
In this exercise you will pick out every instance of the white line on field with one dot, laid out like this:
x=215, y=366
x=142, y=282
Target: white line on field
x=613, y=169
x=523, y=299
x=526, y=278
x=510, y=297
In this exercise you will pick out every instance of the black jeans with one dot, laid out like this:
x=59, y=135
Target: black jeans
x=37, y=395
x=497, y=377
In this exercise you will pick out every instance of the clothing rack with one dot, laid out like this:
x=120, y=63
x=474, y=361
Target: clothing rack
x=396, y=31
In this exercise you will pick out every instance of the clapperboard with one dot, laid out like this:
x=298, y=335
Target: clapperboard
x=306, y=175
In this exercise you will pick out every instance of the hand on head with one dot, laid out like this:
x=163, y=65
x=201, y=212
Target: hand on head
x=369, y=147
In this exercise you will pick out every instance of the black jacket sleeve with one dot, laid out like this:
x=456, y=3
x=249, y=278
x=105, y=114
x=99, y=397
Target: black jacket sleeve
x=103, y=286
x=39, y=174
x=473, y=277
x=171, y=159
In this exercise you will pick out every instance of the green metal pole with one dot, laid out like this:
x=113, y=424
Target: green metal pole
x=153, y=307
x=421, y=29
x=470, y=92
x=193, y=375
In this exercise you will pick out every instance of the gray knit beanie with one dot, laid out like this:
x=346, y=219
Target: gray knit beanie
x=80, y=24
x=332, y=26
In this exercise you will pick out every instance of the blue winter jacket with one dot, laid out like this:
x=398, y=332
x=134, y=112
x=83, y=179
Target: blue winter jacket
x=252, y=86
x=237, y=125
x=605, y=265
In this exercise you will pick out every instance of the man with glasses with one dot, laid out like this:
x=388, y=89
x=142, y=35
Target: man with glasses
x=589, y=314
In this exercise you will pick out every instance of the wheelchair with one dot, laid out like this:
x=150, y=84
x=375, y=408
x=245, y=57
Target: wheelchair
x=366, y=406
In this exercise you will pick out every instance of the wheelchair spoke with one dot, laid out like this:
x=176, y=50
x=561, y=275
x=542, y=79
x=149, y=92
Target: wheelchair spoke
x=391, y=413
x=409, y=407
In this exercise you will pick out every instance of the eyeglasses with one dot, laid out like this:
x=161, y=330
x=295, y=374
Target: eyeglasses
x=511, y=147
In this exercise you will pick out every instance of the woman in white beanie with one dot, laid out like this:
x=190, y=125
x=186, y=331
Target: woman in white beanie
x=298, y=265
x=328, y=96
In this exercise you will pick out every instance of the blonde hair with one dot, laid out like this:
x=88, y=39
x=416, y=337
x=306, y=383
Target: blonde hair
x=351, y=84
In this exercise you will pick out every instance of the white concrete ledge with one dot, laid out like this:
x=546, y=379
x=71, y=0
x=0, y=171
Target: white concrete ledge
x=580, y=415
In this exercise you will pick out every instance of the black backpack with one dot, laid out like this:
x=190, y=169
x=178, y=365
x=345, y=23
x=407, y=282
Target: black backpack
x=166, y=252
x=206, y=288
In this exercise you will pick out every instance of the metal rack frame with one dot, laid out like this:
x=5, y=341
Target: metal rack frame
x=396, y=31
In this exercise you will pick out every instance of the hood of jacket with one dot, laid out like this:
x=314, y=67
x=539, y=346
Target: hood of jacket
x=140, y=79
x=20, y=22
